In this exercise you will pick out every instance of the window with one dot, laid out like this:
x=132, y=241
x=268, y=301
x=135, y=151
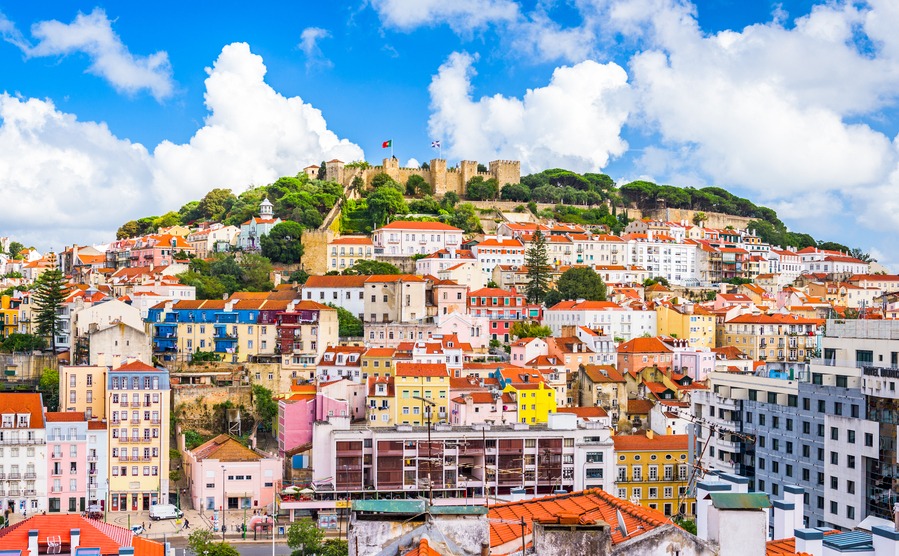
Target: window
x=850, y=487
x=850, y=462
x=834, y=433
x=850, y=436
x=869, y=439
x=834, y=458
x=834, y=508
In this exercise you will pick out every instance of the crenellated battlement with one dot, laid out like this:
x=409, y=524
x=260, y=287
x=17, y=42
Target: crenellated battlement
x=441, y=178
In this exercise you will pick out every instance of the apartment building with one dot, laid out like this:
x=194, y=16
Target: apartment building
x=661, y=255
x=403, y=239
x=395, y=298
x=502, y=307
x=82, y=389
x=67, y=471
x=422, y=390
x=776, y=337
x=688, y=321
x=465, y=461
x=652, y=468
x=304, y=331
x=609, y=319
x=236, y=328
x=226, y=474
x=347, y=292
x=137, y=411
x=23, y=453
x=345, y=251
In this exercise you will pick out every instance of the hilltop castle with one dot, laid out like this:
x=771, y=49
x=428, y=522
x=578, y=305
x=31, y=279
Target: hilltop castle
x=441, y=178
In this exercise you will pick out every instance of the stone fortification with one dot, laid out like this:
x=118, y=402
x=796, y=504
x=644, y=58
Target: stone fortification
x=441, y=178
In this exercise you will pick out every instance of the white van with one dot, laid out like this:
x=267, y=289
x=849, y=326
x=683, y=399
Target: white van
x=165, y=511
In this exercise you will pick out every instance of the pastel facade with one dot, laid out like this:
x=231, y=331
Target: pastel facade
x=23, y=453
x=255, y=228
x=226, y=474
x=403, y=239
x=67, y=471
x=137, y=411
x=345, y=251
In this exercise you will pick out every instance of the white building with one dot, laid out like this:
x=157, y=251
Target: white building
x=23, y=453
x=342, y=291
x=785, y=263
x=661, y=255
x=97, y=458
x=253, y=229
x=498, y=250
x=404, y=239
x=612, y=319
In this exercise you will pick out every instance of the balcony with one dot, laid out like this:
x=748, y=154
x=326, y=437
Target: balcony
x=13, y=492
x=123, y=458
x=135, y=421
x=14, y=476
x=123, y=403
x=29, y=492
x=53, y=488
x=92, y=459
x=30, y=475
x=92, y=472
x=2, y=475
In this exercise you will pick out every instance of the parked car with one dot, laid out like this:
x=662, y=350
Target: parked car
x=137, y=529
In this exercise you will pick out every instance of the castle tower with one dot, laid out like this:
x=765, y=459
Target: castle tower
x=468, y=169
x=334, y=171
x=265, y=209
x=391, y=167
x=506, y=171
x=438, y=176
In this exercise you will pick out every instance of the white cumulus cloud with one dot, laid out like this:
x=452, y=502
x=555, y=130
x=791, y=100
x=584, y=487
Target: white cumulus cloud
x=92, y=35
x=65, y=174
x=573, y=122
x=460, y=15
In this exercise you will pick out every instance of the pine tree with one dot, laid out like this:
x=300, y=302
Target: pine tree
x=48, y=295
x=538, y=269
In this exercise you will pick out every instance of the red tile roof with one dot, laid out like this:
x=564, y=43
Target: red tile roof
x=21, y=403
x=421, y=369
x=136, y=366
x=379, y=278
x=584, y=412
x=639, y=407
x=335, y=282
x=641, y=442
x=64, y=416
x=423, y=549
x=96, y=534
x=586, y=306
x=352, y=240
x=588, y=505
x=644, y=345
x=225, y=448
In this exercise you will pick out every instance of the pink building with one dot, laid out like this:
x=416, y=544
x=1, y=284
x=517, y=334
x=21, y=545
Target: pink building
x=223, y=470
x=158, y=250
x=67, y=466
x=479, y=407
x=298, y=413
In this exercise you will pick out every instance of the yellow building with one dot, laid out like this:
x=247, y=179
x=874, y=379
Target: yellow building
x=652, y=468
x=344, y=252
x=775, y=337
x=413, y=381
x=687, y=322
x=381, y=408
x=378, y=362
x=9, y=316
x=137, y=411
x=536, y=400
x=83, y=389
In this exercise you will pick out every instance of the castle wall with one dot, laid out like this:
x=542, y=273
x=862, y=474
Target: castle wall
x=441, y=178
x=315, y=249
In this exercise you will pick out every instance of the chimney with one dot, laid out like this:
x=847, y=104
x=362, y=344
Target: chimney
x=810, y=541
x=783, y=519
x=76, y=539
x=32, y=542
x=796, y=495
x=886, y=540
x=703, y=502
x=485, y=549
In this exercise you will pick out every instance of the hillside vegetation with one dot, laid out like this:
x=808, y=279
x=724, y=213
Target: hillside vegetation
x=587, y=199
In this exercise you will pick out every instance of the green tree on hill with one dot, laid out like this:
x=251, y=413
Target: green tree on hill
x=479, y=189
x=384, y=203
x=48, y=295
x=537, y=262
x=283, y=243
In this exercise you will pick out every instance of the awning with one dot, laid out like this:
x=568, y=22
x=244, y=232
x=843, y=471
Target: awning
x=238, y=494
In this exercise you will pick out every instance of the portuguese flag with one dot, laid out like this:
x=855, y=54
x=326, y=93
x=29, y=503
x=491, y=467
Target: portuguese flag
x=387, y=144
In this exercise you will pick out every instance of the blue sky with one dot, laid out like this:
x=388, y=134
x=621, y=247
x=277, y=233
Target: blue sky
x=120, y=110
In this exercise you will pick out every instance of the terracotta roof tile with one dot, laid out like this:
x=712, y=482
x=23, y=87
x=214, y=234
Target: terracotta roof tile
x=21, y=403
x=421, y=369
x=589, y=506
x=658, y=442
x=408, y=225
x=225, y=448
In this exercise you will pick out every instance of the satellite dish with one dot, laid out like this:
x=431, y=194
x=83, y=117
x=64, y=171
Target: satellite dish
x=621, y=526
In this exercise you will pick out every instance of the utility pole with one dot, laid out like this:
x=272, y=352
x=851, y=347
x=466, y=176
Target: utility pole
x=430, y=461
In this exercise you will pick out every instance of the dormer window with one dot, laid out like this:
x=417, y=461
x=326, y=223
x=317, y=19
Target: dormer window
x=8, y=420
x=23, y=421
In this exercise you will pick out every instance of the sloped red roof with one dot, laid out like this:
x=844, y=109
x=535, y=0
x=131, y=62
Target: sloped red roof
x=588, y=506
x=96, y=534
